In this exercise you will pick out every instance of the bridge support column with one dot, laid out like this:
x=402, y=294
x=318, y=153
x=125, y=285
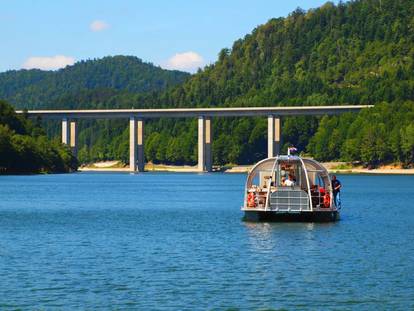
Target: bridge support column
x=274, y=136
x=208, y=146
x=74, y=137
x=65, y=131
x=140, y=146
x=205, y=161
x=133, y=144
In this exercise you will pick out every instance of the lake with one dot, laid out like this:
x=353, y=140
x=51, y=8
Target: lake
x=162, y=241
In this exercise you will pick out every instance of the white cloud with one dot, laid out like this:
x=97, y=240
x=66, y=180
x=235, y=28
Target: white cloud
x=98, y=25
x=187, y=61
x=48, y=63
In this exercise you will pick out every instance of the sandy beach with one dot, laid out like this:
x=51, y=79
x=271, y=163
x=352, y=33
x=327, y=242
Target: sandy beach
x=333, y=167
x=117, y=166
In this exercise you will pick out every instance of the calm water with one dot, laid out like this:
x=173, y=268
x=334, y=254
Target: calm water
x=176, y=241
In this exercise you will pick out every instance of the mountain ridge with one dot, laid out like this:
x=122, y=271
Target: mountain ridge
x=358, y=52
x=36, y=88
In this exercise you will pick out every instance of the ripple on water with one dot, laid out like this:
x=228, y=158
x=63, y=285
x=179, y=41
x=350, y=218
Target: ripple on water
x=176, y=241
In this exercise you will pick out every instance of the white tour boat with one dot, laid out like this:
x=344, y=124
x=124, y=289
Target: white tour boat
x=289, y=188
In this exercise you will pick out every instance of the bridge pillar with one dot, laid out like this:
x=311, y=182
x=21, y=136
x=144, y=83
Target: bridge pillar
x=65, y=131
x=274, y=136
x=133, y=144
x=208, y=147
x=136, y=145
x=140, y=145
x=205, y=161
x=74, y=137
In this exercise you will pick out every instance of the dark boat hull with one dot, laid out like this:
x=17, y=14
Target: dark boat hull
x=272, y=216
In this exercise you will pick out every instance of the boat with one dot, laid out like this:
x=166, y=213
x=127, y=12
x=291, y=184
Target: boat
x=289, y=188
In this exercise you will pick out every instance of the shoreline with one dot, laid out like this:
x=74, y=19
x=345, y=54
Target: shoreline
x=113, y=166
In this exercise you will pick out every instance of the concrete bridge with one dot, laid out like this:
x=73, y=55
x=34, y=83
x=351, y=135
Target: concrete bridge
x=137, y=117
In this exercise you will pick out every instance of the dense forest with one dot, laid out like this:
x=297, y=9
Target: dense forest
x=24, y=147
x=110, y=75
x=358, y=52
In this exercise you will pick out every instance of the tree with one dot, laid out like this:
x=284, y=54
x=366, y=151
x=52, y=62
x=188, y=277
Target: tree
x=24, y=148
x=407, y=143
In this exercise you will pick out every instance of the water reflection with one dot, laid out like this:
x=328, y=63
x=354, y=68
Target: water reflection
x=260, y=236
x=265, y=236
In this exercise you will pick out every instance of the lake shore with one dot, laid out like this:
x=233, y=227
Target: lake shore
x=333, y=168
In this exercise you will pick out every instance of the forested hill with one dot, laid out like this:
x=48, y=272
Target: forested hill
x=42, y=89
x=357, y=52
x=354, y=52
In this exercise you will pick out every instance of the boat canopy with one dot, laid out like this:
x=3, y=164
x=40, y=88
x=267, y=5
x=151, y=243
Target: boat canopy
x=288, y=183
x=305, y=169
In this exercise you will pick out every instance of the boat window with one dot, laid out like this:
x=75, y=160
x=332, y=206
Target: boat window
x=259, y=176
x=320, y=181
x=286, y=168
x=318, y=175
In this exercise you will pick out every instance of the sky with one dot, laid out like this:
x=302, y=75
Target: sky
x=174, y=34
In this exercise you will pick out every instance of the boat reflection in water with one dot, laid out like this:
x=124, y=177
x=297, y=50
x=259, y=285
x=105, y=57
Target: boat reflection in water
x=289, y=188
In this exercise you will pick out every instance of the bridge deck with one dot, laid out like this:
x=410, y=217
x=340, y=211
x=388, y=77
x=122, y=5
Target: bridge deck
x=194, y=112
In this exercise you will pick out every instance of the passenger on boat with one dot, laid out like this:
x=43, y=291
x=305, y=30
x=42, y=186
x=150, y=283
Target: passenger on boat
x=336, y=187
x=315, y=195
x=290, y=182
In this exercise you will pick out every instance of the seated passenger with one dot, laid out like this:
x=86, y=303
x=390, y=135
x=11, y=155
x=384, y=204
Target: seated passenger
x=290, y=182
x=283, y=181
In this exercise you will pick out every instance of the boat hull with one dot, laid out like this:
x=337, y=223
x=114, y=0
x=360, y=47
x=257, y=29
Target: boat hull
x=273, y=216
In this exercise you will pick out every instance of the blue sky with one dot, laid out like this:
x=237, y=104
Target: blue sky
x=179, y=34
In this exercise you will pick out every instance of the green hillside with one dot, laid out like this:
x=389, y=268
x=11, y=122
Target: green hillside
x=39, y=89
x=24, y=148
x=359, y=52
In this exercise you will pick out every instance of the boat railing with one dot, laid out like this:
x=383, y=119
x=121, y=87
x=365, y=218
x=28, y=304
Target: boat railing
x=316, y=199
x=289, y=199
